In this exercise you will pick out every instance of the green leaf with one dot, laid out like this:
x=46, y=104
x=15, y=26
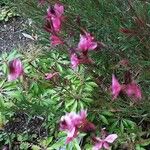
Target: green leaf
x=104, y=119
x=131, y=123
x=58, y=144
x=35, y=147
x=59, y=68
x=74, y=107
x=114, y=125
x=93, y=84
x=138, y=147
x=24, y=146
x=46, y=141
x=121, y=127
x=76, y=144
x=81, y=105
x=107, y=113
x=69, y=103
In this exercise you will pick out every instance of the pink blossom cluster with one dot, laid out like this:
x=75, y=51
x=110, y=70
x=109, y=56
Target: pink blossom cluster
x=86, y=43
x=73, y=122
x=54, y=19
x=131, y=89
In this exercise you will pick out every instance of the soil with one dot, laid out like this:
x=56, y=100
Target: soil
x=11, y=34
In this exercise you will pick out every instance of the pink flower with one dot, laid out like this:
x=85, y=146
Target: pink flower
x=86, y=42
x=56, y=11
x=116, y=87
x=54, y=15
x=55, y=40
x=104, y=143
x=133, y=90
x=59, y=9
x=15, y=69
x=130, y=88
x=56, y=21
x=50, y=75
x=74, y=61
x=71, y=122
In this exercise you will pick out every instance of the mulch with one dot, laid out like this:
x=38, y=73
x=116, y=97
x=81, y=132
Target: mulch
x=11, y=34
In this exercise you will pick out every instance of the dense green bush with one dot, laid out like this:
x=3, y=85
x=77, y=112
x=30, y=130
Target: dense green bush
x=123, y=28
x=6, y=2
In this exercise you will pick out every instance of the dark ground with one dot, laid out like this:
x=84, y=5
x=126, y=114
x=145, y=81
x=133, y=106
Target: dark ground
x=11, y=34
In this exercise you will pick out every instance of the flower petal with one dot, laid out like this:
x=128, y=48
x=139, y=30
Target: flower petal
x=133, y=90
x=71, y=135
x=55, y=40
x=110, y=138
x=15, y=69
x=56, y=21
x=74, y=61
x=86, y=42
x=106, y=145
x=93, y=46
x=97, y=146
x=116, y=87
x=59, y=9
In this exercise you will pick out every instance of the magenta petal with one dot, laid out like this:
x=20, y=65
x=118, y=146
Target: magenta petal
x=49, y=13
x=15, y=69
x=116, y=87
x=54, y=17
x=106, y=145
x=86, y=42
x=66, y=123
x=59, y=9
x=55, y=40
x=93, y=46
x=83, y=114
x=71, y=135
x=111, y=138
x=133, y=90
x=74, y=61
x=70, y=123
x=56, y=21
x=97, y=146
x=83, y=43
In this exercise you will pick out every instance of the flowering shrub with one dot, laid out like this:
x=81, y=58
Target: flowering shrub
x=61, y=97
